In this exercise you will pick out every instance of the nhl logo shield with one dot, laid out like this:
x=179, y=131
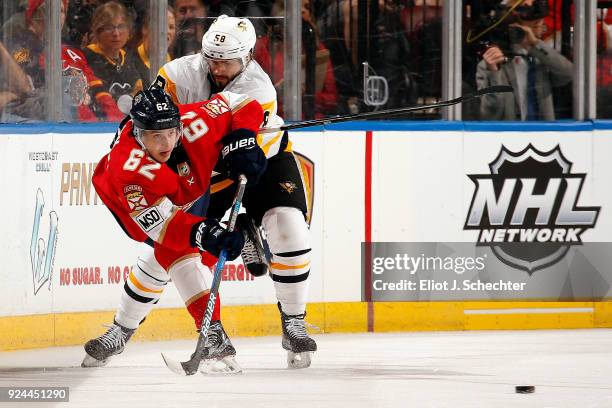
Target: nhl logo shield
x=527, y=209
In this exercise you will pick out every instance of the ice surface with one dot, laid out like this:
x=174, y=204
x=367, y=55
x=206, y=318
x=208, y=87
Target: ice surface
x=570, y=368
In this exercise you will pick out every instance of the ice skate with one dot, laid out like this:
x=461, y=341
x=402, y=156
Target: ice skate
x=219, y=357
x=253, y=254
x=296, y=341
x=101, y=349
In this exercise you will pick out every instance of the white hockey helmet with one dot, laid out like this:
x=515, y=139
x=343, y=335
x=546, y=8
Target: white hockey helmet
x=229, y=38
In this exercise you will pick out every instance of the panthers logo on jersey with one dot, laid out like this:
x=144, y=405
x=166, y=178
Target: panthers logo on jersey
x=135, y=198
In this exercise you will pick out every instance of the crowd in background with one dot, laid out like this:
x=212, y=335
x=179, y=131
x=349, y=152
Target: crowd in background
x=105, y=54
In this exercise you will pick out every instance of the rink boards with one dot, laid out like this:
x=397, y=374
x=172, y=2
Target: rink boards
x=65, y=258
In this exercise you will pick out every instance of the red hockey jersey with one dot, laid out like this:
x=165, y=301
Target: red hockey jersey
x=146, y=197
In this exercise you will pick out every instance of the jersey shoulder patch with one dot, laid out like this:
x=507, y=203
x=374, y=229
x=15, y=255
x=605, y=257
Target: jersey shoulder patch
x=135, y=197
x=217, y=106
x=231, y=100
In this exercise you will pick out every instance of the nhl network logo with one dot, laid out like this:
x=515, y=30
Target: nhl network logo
x=527, y=209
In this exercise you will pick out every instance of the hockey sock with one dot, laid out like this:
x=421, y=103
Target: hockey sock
x=198, y=307
x=142, y=289
x=193, y=281
x=289, y=240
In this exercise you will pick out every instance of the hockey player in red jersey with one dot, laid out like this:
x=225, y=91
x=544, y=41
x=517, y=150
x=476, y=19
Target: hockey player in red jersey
x=280, y=202
x=151, y=201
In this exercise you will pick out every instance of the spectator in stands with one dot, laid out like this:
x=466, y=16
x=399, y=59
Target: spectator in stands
x=23, y=92
x=86, y=99
x=338, y=27
x=77, y=31
x=390, y=54
x=142, y=51
x=526, y=63
x=117, y=67
x=24, y=34
x=79, y=23
x=190, y=26
x=269, y=53
x=83, y=99
x=14, y=82
x=422, y=22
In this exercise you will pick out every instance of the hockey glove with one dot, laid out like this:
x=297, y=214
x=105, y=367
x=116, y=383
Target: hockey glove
x=242, y=155
x=210, y=236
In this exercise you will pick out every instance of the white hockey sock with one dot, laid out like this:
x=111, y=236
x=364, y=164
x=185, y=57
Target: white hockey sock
x=191, y=278
x=289, y=240
x=290, y=276
x=141, y=291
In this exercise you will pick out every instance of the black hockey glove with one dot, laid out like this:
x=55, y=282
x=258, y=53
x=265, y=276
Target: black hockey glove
x=211, y=237
x=242, y=155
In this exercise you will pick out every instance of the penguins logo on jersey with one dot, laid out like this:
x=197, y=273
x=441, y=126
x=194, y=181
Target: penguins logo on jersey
x=527, y=209
x=288, y=186
x=116, y=89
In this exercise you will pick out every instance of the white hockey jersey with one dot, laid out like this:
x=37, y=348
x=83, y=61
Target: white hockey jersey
x=186, y=80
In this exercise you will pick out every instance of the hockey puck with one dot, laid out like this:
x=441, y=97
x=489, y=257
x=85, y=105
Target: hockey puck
x=524, y=389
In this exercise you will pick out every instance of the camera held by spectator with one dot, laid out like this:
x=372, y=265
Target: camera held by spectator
x=509, y=26
x=513, y=53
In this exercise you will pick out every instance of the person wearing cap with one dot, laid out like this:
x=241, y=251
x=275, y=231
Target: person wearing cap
x=533, y=70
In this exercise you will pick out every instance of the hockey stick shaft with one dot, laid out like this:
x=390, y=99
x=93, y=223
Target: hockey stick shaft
x=190, y=367
x=389, y=112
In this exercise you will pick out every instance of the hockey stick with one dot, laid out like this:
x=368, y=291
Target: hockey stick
x=389, y=112
x=191, y=366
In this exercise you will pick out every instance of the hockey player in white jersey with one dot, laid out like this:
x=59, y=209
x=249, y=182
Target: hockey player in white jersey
x=278, y=202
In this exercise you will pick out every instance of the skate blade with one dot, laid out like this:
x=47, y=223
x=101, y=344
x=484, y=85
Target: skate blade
x=89, y=361
x=226, y=365
x=299, y=360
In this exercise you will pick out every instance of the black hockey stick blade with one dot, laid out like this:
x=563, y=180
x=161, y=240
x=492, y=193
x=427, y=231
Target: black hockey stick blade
x=389, y=112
